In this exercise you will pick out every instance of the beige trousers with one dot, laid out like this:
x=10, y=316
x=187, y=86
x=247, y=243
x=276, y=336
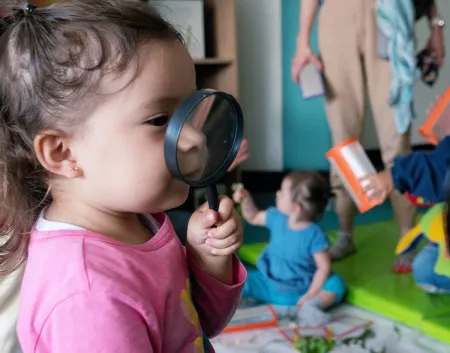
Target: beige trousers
x=347, y=44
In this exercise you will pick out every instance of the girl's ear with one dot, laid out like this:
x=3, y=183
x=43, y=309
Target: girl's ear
x=52, y=148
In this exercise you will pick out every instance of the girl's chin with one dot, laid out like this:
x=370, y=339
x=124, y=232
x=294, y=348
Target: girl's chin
x=178, y=196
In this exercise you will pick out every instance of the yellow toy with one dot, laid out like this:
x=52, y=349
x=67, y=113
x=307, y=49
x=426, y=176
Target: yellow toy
x=431, y=226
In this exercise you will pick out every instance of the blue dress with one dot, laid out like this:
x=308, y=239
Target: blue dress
x=286, y=267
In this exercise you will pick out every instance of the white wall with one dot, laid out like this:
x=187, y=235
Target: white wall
x=424, y=95
x=260, y=81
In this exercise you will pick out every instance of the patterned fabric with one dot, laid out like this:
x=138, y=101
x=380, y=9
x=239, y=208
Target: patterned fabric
x=396, y=20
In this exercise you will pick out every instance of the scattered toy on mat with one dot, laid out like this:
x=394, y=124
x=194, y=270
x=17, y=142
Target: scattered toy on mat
x=311, y=344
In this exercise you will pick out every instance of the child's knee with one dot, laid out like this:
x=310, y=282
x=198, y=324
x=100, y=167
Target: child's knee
x=336, y=285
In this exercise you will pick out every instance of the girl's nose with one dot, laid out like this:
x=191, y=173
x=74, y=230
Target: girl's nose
x=190, y=139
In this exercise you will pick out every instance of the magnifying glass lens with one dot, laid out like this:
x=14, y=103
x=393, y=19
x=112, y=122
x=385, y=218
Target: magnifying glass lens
x=206, y=138
x=203, y=138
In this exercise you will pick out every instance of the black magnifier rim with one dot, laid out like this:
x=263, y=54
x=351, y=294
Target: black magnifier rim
x=177, y=122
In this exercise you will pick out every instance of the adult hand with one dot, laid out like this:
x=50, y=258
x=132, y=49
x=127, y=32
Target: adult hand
x=303, y=56
x=436, y=45
x=241, y=156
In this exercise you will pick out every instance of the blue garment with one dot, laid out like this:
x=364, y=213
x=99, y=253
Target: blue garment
x=396, y=20
x=423, y=174
x=288, y=259
x=423, y=271
x=261, y=288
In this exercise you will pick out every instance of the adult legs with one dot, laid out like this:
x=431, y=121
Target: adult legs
x=339, y=44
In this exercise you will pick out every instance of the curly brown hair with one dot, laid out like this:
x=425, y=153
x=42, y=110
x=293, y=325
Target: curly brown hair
x=51, y=61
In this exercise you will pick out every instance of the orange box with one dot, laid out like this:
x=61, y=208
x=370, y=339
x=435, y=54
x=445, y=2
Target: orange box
x=352, y=164
x=437, y=125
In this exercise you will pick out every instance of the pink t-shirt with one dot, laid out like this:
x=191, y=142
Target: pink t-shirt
x=86, y=293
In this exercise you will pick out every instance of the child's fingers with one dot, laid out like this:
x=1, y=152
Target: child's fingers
x=378, y=196
x=238, y=195
x=368, y=189
x=227, y=251
x=210, y=217
x=225, y=243
x=226, y=208
x=224, y=230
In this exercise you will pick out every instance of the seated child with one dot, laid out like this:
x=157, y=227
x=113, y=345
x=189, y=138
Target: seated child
x=425, y=175
x=294, y=269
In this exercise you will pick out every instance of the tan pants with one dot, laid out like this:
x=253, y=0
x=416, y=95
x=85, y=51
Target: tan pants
x=347, y=43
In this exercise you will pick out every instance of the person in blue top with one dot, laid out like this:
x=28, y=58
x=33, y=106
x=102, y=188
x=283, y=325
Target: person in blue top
x=294, y=268
x=425, y=175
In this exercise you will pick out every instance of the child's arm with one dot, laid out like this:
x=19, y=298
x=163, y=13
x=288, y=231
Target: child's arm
x=250, y=212
x=323, y=263
x=420, y=174
x=215, y=301
x=318, y=248
x=217, y=277
x=423, y=174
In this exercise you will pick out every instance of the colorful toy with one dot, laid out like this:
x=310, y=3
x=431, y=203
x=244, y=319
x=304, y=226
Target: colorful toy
x=352, y=164
x=437, y=124
x=258, y=317
x=431, y=226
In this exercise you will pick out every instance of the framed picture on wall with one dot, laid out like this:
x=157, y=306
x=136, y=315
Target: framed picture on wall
x=187, y=17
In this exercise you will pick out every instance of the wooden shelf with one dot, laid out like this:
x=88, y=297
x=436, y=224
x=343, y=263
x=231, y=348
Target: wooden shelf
x=213, y=61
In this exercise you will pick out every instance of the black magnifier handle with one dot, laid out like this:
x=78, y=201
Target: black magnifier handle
x=213, y=197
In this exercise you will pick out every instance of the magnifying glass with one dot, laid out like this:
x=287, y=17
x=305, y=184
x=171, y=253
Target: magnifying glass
x=203, y=138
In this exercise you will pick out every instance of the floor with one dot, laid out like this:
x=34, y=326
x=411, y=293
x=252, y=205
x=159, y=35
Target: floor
x=407, y=340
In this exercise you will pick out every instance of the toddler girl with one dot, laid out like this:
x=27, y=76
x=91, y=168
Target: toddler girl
x=294, y=269
x=87, y=90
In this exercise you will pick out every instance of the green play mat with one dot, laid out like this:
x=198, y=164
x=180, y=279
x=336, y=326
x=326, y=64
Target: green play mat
x=373, y=286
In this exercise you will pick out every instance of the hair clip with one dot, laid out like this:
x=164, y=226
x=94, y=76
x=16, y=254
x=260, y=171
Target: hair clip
x=29, y=9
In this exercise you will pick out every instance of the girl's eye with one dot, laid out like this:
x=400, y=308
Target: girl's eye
x=160, y=120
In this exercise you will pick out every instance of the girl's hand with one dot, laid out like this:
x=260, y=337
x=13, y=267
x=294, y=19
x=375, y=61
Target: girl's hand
x=378, y=186
x=240, y=194
x=214, y=233
x=303, y=56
